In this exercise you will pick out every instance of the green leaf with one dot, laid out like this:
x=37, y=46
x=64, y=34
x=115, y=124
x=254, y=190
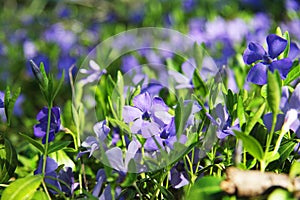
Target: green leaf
x=130, y=177
x=251, y=145
x=39, y=195
x=274, y=91
x=56, y=146
x=286, y=149
x=8, y=159
x=286, y=52
x=9, y=102
x=240, y=111
x=269, y=157
x=35, y=143
x=61, y=81
x=200, y=88
x=254, y=119
x=292, y=75
x=182, y=114
x=22, y=188
x=280, y=194
x=198, y=55
x=295, y=169
x=207, y=187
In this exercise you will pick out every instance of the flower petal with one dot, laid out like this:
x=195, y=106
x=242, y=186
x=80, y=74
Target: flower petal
x=258, y=74
x=283, y=66
x=276, y=45
x=101, y=130
x=294, y=51
x=142, y=101
x=295, y=98
x=254, y=52
x=130, y=113
x=267, y=118
x=115, y=157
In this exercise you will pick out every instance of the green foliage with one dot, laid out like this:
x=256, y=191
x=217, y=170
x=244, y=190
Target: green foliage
x=8, y=159
x=23, y=188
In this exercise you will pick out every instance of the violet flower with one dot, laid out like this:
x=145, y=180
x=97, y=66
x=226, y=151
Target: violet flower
x=148, y=115
x=115, y=157
x=63, y=180
x=93, y=74
x=41, y=128
x=288, y=105
x=258, y=74
x=223, y=121
x=93, y=143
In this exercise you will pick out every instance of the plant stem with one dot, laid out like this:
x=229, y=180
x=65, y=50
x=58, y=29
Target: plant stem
x=47, y=140
x=278, y=142
x=46, y=150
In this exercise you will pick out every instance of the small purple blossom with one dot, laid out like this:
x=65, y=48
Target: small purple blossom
x=255, y=52
x=94, y=74
x=223, y=121
x=148, y=115
x=115, y=156
x=55, y=124
x=63, y=180
x=92, y=143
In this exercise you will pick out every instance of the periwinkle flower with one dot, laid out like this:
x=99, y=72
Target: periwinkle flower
x=1, y=99
x=115, y=157
x=2, y=110
x=55, y=124
x=223, y=121
x=62, y=180
x=148, y=115
x=258, y=74
x=93, y=74
x=92, y=143
x=289, y=119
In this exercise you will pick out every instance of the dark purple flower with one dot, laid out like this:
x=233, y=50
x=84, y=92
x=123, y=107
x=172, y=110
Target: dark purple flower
x=179, y=176
x=255, y=52
x=67, y=181
x=289, y=105
x=148, y=115
x=50, y=172
x=92, y=143
x=55, y=124
x=223, y=121
x=1, y=99
x=64, y=63
x=63, y=180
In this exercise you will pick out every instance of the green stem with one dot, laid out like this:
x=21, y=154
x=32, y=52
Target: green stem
x=46, y=150
x=278, y=142
x=47, y=140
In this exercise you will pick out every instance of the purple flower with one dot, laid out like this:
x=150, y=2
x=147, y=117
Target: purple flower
x=93, y=74
x=288, y=105
x=148, y=115
x=179, y=176
x=63, y=180
x=50, y=172
x=1, y=99
x=92, y=143
x=115, y=157
x=67, y=183
x=255, y=52
x=55, y=124
x=221, y=119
